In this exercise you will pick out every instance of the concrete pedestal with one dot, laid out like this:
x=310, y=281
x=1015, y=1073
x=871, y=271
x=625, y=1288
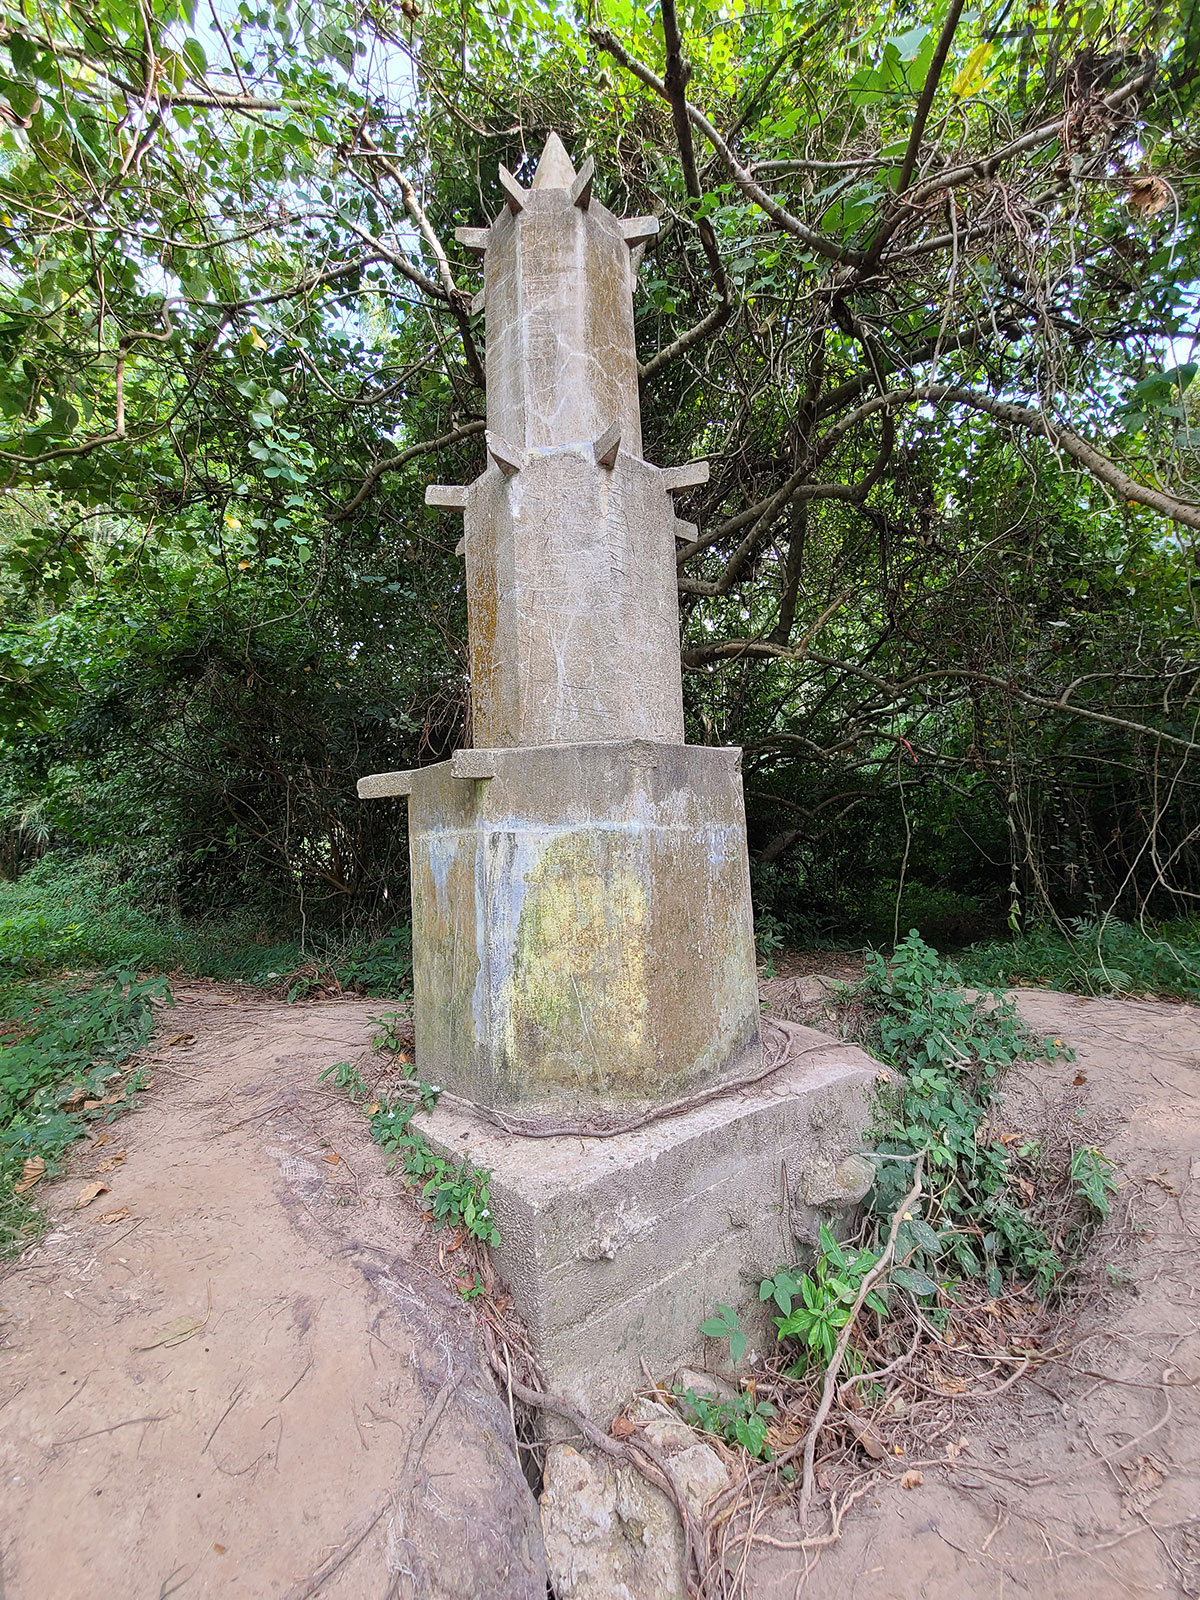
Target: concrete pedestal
x=616, y=1249
x=582, y=930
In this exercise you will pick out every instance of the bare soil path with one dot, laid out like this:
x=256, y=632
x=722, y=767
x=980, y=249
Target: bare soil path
x=254, y=1377
x=257, y=1383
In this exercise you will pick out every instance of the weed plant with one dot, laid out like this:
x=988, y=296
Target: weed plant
x=1093, y=957
x=457, y=1194
x=1000, y=1212
x=63, y=1050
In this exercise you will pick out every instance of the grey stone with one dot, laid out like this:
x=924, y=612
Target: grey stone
x=707, y=1384
x=838, y=1184
x=609, y=1534
x=617, y=1249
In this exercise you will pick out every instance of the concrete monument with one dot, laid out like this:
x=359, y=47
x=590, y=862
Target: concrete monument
x=583, y=944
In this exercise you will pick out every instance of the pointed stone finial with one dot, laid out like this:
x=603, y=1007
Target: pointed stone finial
x=555, y=170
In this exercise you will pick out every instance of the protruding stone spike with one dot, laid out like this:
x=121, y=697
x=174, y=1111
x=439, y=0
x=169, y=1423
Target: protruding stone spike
x=477, y=303
x=555, y=170
x=508, y=459
x=637, y=230
x=581, y=189
x=460, y=549
x=513, y=191
x=473, y=239
x=673, y=479
x=606, y=446
x=447, y=496
x=687, y=531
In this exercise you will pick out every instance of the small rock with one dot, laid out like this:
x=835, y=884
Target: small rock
x=705, y=1383
x=664, y=1428
x=609, y=1534
x=843, y=1185
x=698, y=1473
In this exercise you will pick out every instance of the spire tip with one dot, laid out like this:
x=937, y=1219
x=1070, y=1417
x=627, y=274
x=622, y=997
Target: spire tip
x=555, y=170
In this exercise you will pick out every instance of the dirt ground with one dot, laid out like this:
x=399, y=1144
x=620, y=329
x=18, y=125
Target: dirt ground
x=257, y=1382
x=252, y=1376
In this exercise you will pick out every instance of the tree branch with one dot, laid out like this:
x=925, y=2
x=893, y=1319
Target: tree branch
x=394, y=463
x=606, y=41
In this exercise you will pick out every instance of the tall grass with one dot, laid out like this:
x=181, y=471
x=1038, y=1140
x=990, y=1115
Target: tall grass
x=68, y=915
x=1093, y=957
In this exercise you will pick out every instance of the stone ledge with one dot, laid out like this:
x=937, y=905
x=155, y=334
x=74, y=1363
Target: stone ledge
x=616, y=1249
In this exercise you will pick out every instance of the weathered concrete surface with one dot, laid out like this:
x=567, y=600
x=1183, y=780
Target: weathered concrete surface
x=582, y=930
x=616, y=1249
x=558, y=295
x=572, y=602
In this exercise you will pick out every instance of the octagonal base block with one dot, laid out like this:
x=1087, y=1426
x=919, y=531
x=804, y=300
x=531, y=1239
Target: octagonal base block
x=582, y=930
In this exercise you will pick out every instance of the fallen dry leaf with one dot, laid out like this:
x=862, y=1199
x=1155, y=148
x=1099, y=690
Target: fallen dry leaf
x=112, y=1162
x=912, y=1479
x=88, y=1193
x=1079, y=1078
x=180, y=1038
x=1149, y=196
x=115, y=1216
x=76, y=1098
x=622, y=1428
x=220, y=1549
x=333, y=1158
x=33, y=1172
x=869, y=1440
x=103, y=1137
x=113, y=1099
x=955, y=1449
x=91, y=1105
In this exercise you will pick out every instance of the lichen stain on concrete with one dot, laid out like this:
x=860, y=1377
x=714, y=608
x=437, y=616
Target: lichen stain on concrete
x=580, y=966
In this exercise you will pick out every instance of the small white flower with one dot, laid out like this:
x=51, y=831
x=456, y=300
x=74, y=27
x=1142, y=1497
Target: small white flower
x=485, y=1213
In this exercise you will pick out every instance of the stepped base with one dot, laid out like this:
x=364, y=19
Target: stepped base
x=616, y=1249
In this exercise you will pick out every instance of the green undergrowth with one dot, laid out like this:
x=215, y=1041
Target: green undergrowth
x=455, y=1193
x=73, y=914
x=1000, y=1212
x=1090, y=957
x=64, y=1053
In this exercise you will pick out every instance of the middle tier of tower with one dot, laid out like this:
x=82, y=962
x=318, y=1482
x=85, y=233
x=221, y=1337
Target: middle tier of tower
x=572, y=602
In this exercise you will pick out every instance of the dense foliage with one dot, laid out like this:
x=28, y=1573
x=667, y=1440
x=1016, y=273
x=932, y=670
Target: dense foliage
x=923, y=293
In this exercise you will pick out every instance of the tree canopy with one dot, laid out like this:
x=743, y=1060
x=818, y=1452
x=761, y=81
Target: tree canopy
x=924, y=293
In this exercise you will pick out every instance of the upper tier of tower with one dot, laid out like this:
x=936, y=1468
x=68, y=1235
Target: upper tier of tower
x=558, y=297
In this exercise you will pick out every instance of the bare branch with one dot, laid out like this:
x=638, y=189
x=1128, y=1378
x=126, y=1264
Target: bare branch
x=742, y=177
x=393, y=463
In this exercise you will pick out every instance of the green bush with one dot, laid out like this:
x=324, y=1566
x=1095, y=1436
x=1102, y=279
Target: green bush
x=77, y=913
x=1094, y=958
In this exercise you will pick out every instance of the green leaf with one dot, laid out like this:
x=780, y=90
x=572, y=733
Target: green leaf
x=912, y=1280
